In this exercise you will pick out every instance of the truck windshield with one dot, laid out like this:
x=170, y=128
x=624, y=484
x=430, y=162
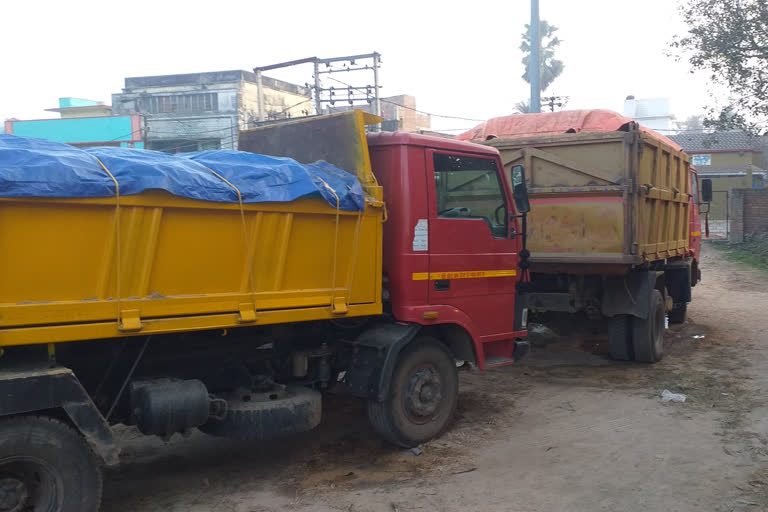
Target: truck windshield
x=469, y=187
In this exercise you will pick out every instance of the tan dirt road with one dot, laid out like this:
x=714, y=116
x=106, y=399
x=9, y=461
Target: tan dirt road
x=565, y=430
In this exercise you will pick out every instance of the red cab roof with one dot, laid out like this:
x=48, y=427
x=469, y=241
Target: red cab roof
x=415, y=139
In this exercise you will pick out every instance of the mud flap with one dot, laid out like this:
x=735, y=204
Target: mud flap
x=25, y=391
x=374, y=354
x=630, y=294
x=678, y=281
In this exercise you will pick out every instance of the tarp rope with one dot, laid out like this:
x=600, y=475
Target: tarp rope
x=249, y=254
x=118, y=266
x=351, y=277
x=335, y=242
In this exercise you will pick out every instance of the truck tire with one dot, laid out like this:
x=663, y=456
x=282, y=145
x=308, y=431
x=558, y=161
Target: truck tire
x=267, y=415
x=648, y=334
x=620, y=337
x=422, y=396
x=46, y=466
x=678, y=313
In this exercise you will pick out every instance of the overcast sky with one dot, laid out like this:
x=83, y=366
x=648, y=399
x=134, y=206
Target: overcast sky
x=457, y=58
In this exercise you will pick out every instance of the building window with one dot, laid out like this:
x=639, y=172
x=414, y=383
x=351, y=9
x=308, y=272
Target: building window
x=701, y=159
x=182, y=103
x=183, y=145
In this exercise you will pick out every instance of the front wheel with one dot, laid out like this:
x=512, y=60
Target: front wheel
x=45, y=466
x=422, y=396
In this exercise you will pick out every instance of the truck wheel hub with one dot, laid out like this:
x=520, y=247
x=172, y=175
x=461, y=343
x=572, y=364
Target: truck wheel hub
x=28, y=483
x=424, y=394
x=13, y=495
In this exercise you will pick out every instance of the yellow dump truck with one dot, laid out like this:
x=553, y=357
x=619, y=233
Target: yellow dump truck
x=228, y=290
x=614, y=229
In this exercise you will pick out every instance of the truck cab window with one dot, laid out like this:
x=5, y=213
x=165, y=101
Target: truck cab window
x=469, y=188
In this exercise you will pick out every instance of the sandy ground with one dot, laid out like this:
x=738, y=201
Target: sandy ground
x=565, y=430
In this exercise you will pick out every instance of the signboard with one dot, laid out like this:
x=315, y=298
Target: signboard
x=701, y=159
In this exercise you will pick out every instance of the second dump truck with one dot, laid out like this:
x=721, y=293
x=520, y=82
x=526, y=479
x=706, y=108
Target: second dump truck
x=614, y=230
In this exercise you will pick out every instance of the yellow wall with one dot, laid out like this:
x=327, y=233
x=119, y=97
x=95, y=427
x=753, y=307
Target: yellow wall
x=720, y=188
x=731, y=158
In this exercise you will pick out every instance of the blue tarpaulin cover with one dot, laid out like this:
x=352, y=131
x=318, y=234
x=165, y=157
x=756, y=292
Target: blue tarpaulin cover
x=32, y=167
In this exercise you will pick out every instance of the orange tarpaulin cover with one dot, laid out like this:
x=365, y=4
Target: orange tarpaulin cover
x=552, y=123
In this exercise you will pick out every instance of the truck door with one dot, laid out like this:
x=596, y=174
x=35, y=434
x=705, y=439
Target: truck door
x=472, y=258
x=695, y=242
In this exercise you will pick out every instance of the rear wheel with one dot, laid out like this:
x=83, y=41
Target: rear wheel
x=648, y=333
x=620, y=337
x=422, y=397
x=45, y=466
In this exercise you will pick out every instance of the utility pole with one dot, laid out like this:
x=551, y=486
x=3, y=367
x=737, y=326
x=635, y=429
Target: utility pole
x=555, y=101
x=376, y=102
x=318, y=105
x=260, y=92
x=534, y=62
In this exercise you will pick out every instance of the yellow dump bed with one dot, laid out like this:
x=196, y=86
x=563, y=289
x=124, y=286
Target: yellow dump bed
x=614, y=198
x=75, y=269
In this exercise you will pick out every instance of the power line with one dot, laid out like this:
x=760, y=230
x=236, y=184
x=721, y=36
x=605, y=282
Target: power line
x=411, y=108
x=275, y=114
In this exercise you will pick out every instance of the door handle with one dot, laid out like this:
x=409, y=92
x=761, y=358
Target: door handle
x=442, y=285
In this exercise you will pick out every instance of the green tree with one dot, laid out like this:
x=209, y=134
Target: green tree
x=728, y=39
x=550, y=67
x=692, y=124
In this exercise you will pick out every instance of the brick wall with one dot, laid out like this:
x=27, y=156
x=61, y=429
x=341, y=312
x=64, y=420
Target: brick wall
x=755, y=211
x=748, y=213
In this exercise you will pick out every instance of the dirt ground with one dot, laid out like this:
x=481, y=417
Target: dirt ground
x=567, y=429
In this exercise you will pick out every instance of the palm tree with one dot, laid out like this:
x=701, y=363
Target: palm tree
x=550, y=67
x=522, y=107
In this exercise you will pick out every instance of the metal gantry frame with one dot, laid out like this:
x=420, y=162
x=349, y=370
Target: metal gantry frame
x=368, y=93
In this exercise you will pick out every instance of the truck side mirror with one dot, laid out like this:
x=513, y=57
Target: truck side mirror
x=519, y=190
x=706, y=190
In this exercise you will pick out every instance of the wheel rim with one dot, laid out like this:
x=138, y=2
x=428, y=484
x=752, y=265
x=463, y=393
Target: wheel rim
x=423, y=394
x=28, y=483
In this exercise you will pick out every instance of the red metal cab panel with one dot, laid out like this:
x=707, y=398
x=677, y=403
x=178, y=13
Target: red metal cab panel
x=459, y=265
x=400, y=172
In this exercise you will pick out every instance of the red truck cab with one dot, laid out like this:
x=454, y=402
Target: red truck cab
x=451, y=243
x=451, y=257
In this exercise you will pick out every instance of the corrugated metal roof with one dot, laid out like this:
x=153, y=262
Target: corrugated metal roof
x=718, y=141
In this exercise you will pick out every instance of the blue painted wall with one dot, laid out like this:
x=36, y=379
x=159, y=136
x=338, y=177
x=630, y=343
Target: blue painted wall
x=77, y=130
x=77, y=102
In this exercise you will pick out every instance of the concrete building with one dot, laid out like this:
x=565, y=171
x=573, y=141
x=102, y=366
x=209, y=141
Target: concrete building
x=652, y=113
x=399, y=113
x=199, y=111
x=732, y=160
x=83, y=123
